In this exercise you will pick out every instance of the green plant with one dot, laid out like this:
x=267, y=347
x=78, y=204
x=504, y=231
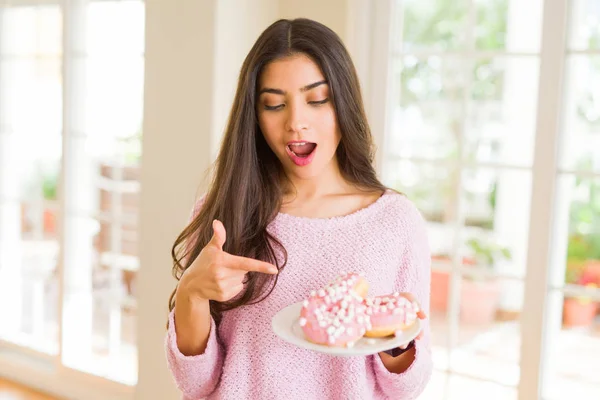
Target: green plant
x=488, y=253
x=49, y=186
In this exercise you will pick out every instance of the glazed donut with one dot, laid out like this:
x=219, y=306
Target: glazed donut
x=389, y=314
x=336, y=314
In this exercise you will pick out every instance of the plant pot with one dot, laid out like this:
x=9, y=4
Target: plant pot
x=440, y=283
x=578, y=312
x=479, y=301
x=49, y=221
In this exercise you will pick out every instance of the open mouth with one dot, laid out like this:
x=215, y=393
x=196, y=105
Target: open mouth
x=302, y=149
x=301, y=153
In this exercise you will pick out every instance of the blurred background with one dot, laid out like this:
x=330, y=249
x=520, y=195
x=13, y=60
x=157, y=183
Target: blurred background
x=486, y=114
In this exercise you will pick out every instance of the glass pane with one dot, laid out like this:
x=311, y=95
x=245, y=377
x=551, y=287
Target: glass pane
x=573, y=346
x=38, y=29
x=101, y=228
x=490, y=294
x=501, y=114
x=121, y=16
x=445, y=386
x=428, y=108
x=432, y=189
x=30, y=85
x=584, y=24
x=433, y=24
x=573, y=352
x=510, y=25
x=582, y=114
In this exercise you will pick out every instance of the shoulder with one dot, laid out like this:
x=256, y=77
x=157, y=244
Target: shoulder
x=398, y=207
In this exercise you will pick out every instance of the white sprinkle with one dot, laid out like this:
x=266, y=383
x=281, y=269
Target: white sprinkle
x=305, y=303
x=322, y=324
x=302, y=321
x=350, y=345
x=313, y=293
x=330, y=330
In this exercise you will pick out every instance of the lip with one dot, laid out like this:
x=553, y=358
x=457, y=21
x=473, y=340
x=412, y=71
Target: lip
x=300, y=161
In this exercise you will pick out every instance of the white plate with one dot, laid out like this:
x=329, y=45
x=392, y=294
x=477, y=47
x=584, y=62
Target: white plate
x=286, y=325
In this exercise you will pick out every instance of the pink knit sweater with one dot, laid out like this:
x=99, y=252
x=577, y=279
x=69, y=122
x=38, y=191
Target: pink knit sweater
x=244, y=359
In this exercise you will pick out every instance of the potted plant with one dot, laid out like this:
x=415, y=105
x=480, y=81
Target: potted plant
x=583, y=268
x=49, y=192
x=480, y=293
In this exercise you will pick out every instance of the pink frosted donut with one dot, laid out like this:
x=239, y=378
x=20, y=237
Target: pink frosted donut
x=336, y=315
x=390, y=314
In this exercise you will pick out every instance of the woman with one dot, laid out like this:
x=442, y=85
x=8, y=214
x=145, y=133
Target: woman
x=294, y=201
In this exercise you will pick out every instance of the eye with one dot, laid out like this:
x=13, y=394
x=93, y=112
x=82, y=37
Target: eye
x=273, y=108
x=319, y=102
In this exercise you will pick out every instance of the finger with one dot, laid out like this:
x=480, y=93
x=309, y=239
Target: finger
x=219, y=234
x=421, y=314
x=249, y=264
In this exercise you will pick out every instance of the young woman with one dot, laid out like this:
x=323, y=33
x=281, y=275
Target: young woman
x=294, y=202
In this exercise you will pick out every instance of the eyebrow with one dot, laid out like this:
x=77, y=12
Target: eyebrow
x=302, y=89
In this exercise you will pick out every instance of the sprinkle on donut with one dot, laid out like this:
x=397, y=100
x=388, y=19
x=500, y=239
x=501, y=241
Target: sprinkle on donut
x=339, y=314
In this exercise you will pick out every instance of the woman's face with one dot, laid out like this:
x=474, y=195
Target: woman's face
x=296, y=116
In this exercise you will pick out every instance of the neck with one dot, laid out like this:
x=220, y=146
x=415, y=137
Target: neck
x=328, y=182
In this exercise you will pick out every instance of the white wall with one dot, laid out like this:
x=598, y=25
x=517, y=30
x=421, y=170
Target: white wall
x=178, y=116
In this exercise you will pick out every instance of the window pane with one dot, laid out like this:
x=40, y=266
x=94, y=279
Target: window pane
x=430, y=187
x=581, y=140
x=502, y=108
x=105, y=153
x=452, y=387
x=585, y=25
x=510, y=25
x=428, y=107
x=573, y=351
x=573, y=346
x=492, y=254
x=433, y=24
x=30, y=158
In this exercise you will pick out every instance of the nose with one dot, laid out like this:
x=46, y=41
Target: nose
x=296, y=119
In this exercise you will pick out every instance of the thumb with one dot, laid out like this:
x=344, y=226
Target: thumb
x=219, y=234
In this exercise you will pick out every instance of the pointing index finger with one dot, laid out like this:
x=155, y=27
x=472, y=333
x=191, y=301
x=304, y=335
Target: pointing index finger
x=249, y=264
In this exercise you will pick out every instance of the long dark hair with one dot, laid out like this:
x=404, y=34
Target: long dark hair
x=246, y=189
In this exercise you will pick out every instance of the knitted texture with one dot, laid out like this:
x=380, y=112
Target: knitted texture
x=244, y=359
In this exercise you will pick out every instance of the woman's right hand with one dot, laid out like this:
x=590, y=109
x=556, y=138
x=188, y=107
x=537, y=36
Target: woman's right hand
x=216, y=274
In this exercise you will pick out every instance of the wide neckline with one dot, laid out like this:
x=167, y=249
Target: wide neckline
x=338, y=218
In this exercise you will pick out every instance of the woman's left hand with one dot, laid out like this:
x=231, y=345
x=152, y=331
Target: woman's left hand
x=421, y=315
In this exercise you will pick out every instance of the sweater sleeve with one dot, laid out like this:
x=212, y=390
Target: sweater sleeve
x=414, y=277
x=196, y=376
